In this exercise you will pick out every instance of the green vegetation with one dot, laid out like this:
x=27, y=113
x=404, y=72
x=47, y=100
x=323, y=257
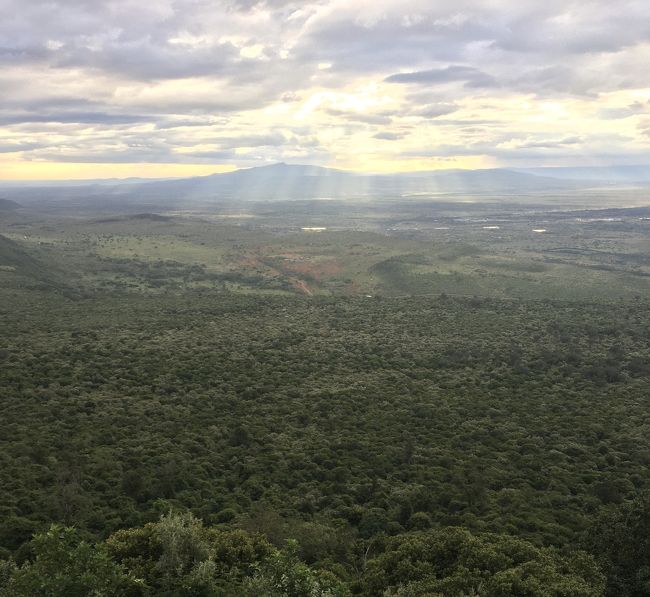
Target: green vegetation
x=179, y=556
x=577, y=258
x=469, y=428
x=453, y=562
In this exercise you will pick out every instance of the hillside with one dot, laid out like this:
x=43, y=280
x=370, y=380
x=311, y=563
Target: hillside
x=15, y=257
x=19, y=269
x=8, y=205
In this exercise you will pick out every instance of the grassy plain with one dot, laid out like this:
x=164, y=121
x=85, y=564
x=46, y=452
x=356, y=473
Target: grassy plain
x=519, y=252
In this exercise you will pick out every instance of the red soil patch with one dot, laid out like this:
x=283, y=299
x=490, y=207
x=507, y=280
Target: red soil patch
x=301, y=286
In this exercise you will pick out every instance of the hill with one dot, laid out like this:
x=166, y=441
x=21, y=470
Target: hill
x=13, y=256
x=8, y=205
x=19, y=269
x=286, y=181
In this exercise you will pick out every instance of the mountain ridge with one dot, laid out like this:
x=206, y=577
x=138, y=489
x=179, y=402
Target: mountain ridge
x=282, y=181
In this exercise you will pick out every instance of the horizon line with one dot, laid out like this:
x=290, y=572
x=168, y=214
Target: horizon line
x=228, y=170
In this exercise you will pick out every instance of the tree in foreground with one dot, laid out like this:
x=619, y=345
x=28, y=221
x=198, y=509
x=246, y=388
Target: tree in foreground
x=452, y=562
x=179, y=557
x=63, y=564
x=620, y=541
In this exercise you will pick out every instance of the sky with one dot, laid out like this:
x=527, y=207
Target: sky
x=117, y=88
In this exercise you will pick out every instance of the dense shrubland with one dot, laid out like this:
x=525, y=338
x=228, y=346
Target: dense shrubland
x=179, y=556
x=378, y=434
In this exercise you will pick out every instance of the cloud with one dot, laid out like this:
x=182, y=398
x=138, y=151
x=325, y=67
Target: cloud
x=98, y=118
x=436, y=110
x=16, y=147
x=266, y=140
x=472, y=77
x=387, y=136
x=644, y=127
x=238, y=80
x=550, y=143
x=375, y=119
x=211, y=155
x=634, y=109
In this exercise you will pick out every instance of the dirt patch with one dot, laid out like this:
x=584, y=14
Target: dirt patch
x=301, y=272
x=301, y=286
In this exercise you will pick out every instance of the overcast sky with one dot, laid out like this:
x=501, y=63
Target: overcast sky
x=95, y=88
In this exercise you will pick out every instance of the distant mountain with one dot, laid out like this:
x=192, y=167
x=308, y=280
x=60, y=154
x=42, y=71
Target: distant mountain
x=279, y=181
x=284, y=181
x=288, y=182
x=611, y=174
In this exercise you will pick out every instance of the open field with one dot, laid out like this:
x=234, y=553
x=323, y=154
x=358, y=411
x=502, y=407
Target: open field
x=462, y=249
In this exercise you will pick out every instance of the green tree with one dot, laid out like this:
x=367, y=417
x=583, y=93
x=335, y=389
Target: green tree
x=284, y=575
x=453, y=562
x=620, y=541
x=65, y=565
x=178, y=556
